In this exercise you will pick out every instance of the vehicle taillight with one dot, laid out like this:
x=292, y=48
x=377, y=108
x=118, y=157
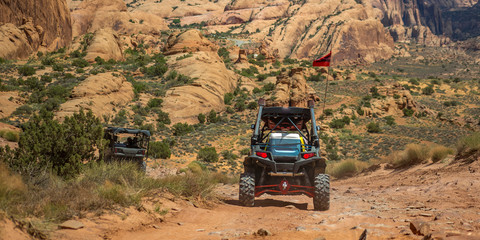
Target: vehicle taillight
x=308, y=155
x=261, y=154
x=141, y=152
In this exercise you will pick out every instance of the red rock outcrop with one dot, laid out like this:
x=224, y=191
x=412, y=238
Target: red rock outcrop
x=396, y=99
x=292, y=90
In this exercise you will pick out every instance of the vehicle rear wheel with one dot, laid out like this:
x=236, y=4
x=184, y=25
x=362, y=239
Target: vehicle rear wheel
x=321, y=199
x=246, y=194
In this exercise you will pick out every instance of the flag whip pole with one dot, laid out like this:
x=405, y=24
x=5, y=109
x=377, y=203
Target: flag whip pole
x=326, y=87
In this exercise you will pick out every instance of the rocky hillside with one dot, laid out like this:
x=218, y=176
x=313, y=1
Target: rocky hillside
x=432, y=22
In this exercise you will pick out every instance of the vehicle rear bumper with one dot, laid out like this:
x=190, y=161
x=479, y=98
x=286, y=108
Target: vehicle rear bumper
x=282, y=166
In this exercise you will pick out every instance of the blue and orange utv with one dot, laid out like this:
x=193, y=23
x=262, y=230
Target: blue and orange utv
x=285, y=157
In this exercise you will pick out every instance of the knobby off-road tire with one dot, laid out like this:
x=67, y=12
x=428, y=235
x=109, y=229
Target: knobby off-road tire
x=246, y=194
x=321, y=199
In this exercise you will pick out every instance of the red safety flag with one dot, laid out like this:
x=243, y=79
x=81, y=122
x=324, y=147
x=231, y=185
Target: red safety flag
x=323, y=61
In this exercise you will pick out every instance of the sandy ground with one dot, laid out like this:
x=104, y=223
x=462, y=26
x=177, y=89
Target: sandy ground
x=383, y=202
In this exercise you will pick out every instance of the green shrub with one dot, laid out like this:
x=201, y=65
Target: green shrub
x=252, y=105
x=337, y=123
x=223, y=53
x=360, y=111
x=268, y=87
x=163, y=117
x=48, y=61
x=245, y=151
x=26, y=70
x=160, y=150
x=428, y=90
x=227, y=98
x=201, y=118
x=154, y=103
x=390, y=120
x=256, y=90
x=212, y=117
x=407, y=112
x=316, y=78
x=228, y=155
x=57, y=67
x=240, y=106
x=99, y=60
x=23, y=110
x=80, y=62
x=346, y=120
x=207, y=154
x=373, y=127
x=261, y=77
x=230, y=110
x=157, y=70
x=180, y=129
x=328, y=112
x=61, y=147
x=451, y=103
x=414, y=81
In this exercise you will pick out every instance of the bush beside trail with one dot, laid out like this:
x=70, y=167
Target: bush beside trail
x=55, y=175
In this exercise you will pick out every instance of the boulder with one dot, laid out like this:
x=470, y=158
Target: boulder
x=419, y=227
x=184, y=103
x=105, y=44
x=242, y=56
x=71, y=224
x=189, y=41
x=292, y=90
x=101, y=93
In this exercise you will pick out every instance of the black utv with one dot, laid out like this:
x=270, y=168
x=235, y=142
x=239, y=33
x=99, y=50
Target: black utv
x=126, y=144
x=285, y=158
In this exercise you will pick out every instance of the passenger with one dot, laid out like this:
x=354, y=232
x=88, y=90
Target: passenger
x=130, y=142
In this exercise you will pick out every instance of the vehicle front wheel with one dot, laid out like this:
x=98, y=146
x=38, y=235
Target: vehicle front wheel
x=246, y=194
x=321, y=199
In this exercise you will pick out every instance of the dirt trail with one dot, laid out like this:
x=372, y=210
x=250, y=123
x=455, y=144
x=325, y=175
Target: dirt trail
x=383, y=202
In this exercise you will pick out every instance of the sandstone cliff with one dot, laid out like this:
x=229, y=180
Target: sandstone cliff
x=33, y=23
x=93, y=15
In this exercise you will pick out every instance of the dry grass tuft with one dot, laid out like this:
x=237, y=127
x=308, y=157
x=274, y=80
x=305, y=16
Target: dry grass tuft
x=10, y=135
x=99, y=187
x=469, y=143
x=439, y=153
x=412, y=155
x=345, y=168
